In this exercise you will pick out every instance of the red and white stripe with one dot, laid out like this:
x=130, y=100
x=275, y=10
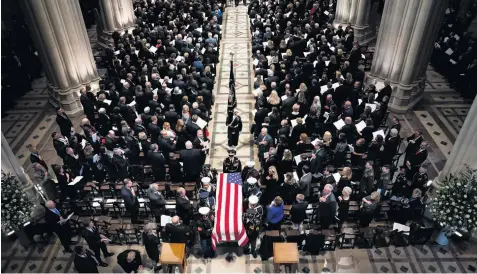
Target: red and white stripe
x=228, y=213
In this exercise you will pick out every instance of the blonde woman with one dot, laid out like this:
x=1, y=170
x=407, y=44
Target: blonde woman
x=151, y=241
x=185, y=114
x=167, y=128
x=273, y=99
x=286, y=164
x=327, y=138
x=343, y=204
x=345, y=180
x=289, y=189
x=271, y=183
x=368, y=207
x=317, y=104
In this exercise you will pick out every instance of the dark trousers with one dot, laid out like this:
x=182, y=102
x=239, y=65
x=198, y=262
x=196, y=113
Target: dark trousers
x=275, y=226
x=207, y=250
x=134, y=214
x=97, y=251
x=232, y=138
x=65, y=238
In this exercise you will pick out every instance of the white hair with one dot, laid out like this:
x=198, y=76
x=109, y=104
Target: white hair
x=188, y=145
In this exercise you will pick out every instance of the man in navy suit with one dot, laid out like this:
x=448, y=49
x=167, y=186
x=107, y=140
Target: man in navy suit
x=58, y=224
x=130, y=200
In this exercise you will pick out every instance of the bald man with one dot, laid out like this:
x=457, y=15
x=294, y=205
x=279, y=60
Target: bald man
x=183, y=206
x=176, y=232
x=56, y=222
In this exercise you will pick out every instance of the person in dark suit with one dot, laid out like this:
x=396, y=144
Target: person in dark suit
x=84, y=261
x=36, y=158
x=201, y=142
x=88, y=104
x=156, y=200
x=130, y=200
x=60, y=144
x=298, y=212
x=318, y=159
x=414, y=142
x=390, y=147
x=63, y=122
x=366, y=183
x=327, y=207
x=96, y=242
x=130, y=260
x=305, y=182
x=156, y=159
x=386, y=91
x=121, y=163
x=183, y=206
x=191, y=158
x=151, y=243
x=58, y=224
x=177, y=232
x=415, y=160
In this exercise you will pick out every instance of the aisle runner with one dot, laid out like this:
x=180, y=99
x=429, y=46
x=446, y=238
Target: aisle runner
x=236, y=39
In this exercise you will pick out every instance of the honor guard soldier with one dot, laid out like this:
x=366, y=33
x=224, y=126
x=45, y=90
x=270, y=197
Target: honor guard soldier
x=249, y=171
x=251, y=188
x=207, y=171
x=253, y=220
x=234, y=127
x=232, y=164
x=204, y=226
x=207, y=194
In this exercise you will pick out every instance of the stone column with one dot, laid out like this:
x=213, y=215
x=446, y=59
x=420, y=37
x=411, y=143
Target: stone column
x=10, y=165
x=465, y=146
x=115, y=15
x=342, y=14
x=405, y=42
x=363, y=33
x=59, y=33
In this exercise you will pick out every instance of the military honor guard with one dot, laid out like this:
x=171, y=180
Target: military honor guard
x=204, y=226
x=232, y=163
x=250, y=171
x=253, y=220
x=234, y=127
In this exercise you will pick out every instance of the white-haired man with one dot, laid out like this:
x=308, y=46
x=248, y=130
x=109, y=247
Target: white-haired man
x=327, y=208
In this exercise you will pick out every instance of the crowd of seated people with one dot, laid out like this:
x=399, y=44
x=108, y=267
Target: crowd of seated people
x=144, y=140
x=320, y=132
x=455, y=51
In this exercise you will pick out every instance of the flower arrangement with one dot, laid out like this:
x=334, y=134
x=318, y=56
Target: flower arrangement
x=16, y=208
x=455, y=206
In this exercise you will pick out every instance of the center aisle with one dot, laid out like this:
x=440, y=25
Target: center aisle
x=235, y=39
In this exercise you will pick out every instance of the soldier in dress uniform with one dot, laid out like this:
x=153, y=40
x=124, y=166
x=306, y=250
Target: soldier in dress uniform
x=232, y=163
x=251, y=188
x=250, y=171
x=207, y=193
x=234, y=127
x=207, y=171
x=204, y=226
x=253, y=220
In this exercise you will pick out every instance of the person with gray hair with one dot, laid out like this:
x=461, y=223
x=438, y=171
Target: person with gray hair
x=191, y=158
x=390, y=146
x=151, y=243
x=328, y=207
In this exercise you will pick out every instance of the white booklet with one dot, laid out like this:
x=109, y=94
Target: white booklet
x=66, y=220
x=75, y=180
x=339, y=124
x=360, y=126
x=201, y=123
x=165, y=219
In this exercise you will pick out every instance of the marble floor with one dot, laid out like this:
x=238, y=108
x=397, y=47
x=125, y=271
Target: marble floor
x=440, y=113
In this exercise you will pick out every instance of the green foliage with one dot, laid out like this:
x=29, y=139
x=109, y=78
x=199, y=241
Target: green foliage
x=455, y=207
x=16, y=208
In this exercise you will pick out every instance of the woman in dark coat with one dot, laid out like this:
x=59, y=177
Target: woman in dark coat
x=151, y=242
x=343, y=205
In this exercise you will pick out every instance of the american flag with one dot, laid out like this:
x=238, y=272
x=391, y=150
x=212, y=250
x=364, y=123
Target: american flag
x=228, y=211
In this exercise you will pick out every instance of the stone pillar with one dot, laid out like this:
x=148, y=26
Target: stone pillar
x=10, y=165
x=59, y=33
x=404, y=46
x=115, y=15
x=465, y=146
x=342, y=14
x=363, y=33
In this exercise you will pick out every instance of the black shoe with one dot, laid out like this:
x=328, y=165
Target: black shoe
x=157, y=268
x=254, y=254
x=103, y=264
x=109, y=254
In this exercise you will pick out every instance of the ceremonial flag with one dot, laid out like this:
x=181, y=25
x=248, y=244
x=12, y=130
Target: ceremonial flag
x=228, y=211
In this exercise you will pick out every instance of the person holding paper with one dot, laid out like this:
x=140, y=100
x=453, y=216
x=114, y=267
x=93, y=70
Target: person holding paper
x=96, y=241
x=58, y=224
x=234, y=127
x=386, y=91
x=264, y=142
x=374, y=149
x=414, y=142
x=201, y=142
